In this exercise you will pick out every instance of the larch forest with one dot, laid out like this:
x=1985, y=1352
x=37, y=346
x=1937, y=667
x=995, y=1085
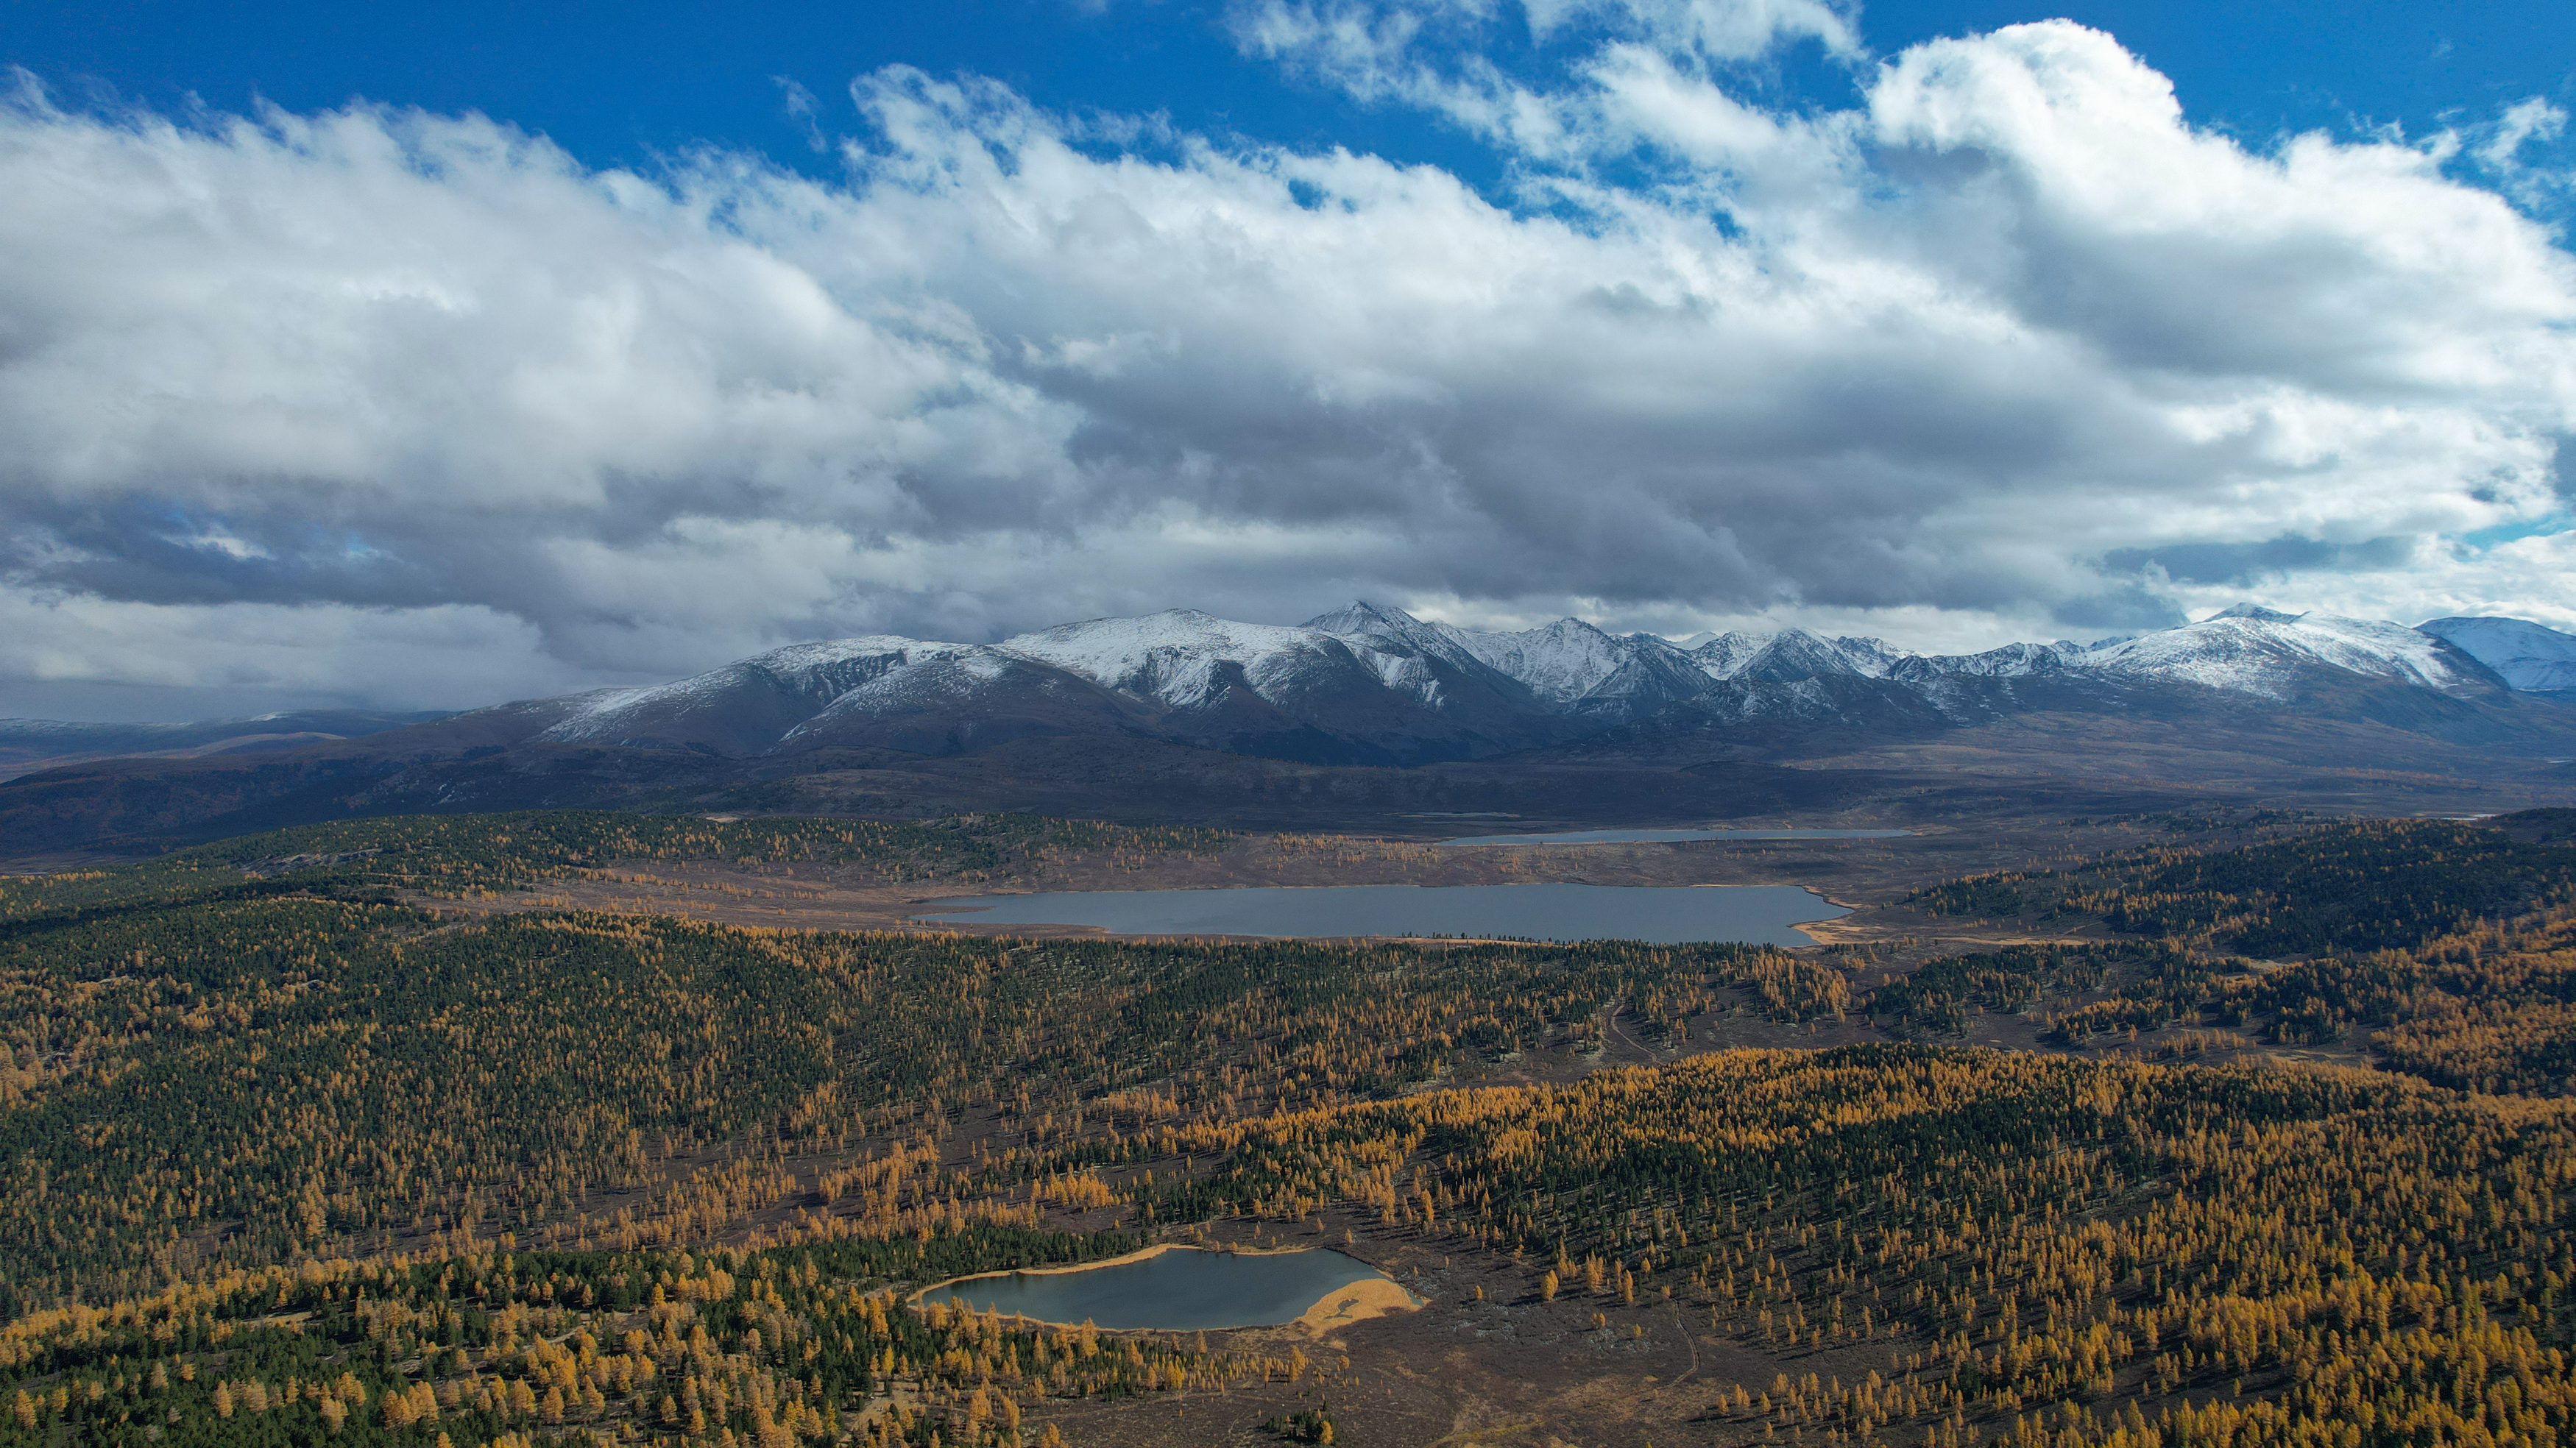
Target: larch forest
x=295, y=1150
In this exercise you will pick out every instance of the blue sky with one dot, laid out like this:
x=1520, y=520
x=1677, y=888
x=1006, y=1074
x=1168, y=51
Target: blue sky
x=616, y=84
x=424, y=356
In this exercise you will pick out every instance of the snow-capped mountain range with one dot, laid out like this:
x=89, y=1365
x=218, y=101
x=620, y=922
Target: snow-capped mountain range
x=2525, y=655
x=1369, y=684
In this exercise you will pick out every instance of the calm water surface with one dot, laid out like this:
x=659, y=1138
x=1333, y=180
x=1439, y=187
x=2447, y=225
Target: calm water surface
x=1178, y=1291
x=1753, y=914
x=1634, y=837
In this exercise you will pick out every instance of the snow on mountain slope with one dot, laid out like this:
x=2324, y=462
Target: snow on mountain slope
x=947, y=701
x=1564, y=663
x=2526, y=655
x=1791, y=654
x=1358, y=620
x=743, y=707
x=1797, y=654
x=1720, y=655
x=1370, y=684
x=2012, y=661
x=1571, y=665
x=2258, y=651
x=1565, y=667
x=1383, y=682
x=1559, y=663
x=1177, y=656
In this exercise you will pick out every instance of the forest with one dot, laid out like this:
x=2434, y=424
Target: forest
x=2347, y=888
x=2448, y=948
x=236, y=1070
x=456, y=855
x=293, y=1155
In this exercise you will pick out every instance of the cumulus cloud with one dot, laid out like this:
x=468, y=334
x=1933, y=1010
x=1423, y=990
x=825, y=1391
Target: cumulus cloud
x=2008, y=347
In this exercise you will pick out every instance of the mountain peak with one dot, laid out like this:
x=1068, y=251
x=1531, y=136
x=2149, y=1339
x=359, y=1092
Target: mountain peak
x=1571, y=627
x=2255, y=611
x=1360, y=616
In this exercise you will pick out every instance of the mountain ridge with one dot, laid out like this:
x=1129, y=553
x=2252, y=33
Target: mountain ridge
x=30, y=744
x=1367, y=683
x=1368, y=711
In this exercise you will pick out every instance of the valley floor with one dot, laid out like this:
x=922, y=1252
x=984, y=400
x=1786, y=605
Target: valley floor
x=628, y=1112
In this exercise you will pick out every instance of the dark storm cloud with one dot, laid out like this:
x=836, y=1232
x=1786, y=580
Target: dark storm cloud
x=2250, y=563
x=2130, y=610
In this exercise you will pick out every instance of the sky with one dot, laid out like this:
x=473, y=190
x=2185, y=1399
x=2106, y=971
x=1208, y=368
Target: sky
x=445, y=355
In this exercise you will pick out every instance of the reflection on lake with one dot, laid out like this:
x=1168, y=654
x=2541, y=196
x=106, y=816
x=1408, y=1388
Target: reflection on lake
x=1753, y=914
x=1639, y=837
x=1179, y=1290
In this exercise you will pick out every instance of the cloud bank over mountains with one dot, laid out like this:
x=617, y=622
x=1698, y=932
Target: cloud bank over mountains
x=415, y=410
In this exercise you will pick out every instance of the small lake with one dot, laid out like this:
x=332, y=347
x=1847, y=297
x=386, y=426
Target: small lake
x=1181, y=1290
x=1648, y=837
x=1752, y=914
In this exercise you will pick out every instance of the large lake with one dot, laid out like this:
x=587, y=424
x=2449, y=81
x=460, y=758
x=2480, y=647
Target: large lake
x=1181, y=1290
x=1638, y=837
x=1753, y=914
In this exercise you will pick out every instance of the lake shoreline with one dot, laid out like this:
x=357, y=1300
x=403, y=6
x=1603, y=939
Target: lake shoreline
x=1555, y=911
x=1592, y=839
x=1355, y=1301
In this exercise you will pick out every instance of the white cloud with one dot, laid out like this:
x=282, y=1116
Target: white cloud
x=2523, y=122
x=2010, y=349
x=298, y=654
x=2498, y=148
